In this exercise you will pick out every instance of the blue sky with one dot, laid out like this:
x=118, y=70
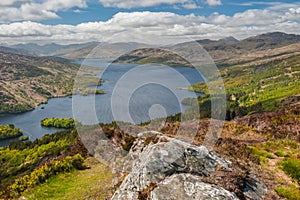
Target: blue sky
x=77, y=21
x=97, y=12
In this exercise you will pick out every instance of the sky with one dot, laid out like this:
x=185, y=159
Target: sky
x=146, y=21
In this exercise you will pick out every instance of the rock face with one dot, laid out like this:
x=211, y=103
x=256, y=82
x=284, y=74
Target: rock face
x=168, y=168
x=186, y=186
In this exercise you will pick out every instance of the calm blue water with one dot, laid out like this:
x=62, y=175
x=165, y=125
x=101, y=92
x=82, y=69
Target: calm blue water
x=132, y=94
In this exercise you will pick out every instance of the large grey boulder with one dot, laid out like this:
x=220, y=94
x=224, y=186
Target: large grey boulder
x=187, y=186
x=169, y=168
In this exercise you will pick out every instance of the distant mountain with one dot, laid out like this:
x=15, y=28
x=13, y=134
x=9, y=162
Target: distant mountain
x=17, y=51
x=227, y=51
x=215, y=42
x=228, y=40
x=52, y=49
x=206, y=41
x=267, y=41
x=80, y=51
x=108, y=51
x=152, y=55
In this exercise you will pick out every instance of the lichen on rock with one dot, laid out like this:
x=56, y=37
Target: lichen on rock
x=169, y=168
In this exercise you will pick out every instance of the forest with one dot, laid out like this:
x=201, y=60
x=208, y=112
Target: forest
x=9, y=131
x=58, y=122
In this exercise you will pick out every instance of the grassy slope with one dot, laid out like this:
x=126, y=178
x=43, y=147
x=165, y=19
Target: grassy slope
x=24, y=158
x=281, y=158
x=92, y=183
x=257, y=88
x=28, y=81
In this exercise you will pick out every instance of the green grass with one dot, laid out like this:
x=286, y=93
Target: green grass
x=281, y=153
x=276, y=148
x=291, y=166
x=289, y=163
x=282, y=148
x=291, y=192
x=92, y=183
x=261, y=154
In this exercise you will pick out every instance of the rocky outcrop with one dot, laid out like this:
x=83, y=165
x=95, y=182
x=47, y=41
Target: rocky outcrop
x=187, y=186
x=169, y=168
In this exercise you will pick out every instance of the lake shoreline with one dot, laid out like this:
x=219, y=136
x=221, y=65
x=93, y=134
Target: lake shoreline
x=62, y=106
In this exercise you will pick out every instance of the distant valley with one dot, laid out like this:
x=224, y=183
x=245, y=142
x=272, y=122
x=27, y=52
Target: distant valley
x=27, y=80
x=256, y=155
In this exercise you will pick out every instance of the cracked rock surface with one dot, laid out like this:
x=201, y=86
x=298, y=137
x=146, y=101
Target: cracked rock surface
x=168, y=168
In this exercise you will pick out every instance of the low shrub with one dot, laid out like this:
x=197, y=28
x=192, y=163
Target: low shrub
x=41, y=174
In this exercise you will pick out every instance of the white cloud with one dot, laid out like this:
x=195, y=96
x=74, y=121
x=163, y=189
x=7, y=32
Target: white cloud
x=252, y=3
x=24, y=29
x=25, y=12
x=12, y=2
x=187, y=4
x=35, y=10
x=65, y=4
x=137, y=3
x=77, y=11
x=158, y=27
x=214, y=2
x=191, y=6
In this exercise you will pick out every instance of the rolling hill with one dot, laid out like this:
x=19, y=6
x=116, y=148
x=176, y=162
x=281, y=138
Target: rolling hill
x=228, y=51
x=51, y=49
x=28, y=81
x=103, y=51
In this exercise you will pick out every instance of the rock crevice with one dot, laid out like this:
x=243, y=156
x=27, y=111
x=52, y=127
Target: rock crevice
x=169, y=168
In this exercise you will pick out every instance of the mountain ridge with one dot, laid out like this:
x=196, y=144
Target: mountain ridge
x=226, y=53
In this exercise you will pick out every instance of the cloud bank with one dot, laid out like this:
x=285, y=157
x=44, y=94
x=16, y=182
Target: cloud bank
x=38, y=10
x=188, y=4
x=156, y=27
x=17, y=10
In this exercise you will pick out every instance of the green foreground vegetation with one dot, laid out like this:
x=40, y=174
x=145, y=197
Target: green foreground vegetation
x=57, y=166
x=27, y=164
x=287, y=154
x=9, y=131
x=41, y=174
x=94, y=182
x=291, y=166
x=290, y=192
